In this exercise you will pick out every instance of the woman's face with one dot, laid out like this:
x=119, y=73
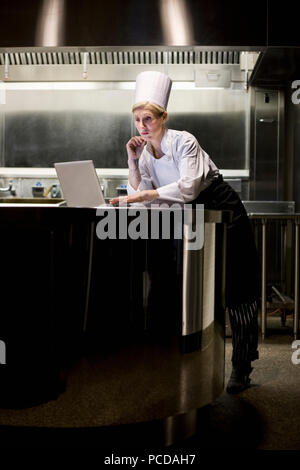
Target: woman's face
x=149, y=126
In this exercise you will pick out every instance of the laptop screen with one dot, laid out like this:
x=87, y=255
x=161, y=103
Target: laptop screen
x=79, y=183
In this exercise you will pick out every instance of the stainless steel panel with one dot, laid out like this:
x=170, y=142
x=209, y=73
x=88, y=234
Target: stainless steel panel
x=208, y=313
x=192, y=290
x=2, y=137
x=44, y=126
x=66, y=23
x=219, y=120
x=266, y=207
x=294, y=169
x=198, y=284
x=236, y=184
x=47, y=122
x=296, y=281
x=119, y=56
x=263, y=277
x=72, y=70
x=267, y=124
x=276, y=67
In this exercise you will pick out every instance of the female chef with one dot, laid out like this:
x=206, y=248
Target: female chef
x=170, y=165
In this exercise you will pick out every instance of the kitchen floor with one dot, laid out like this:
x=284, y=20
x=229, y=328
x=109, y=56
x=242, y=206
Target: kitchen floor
x=267, y=415
x=264, y=417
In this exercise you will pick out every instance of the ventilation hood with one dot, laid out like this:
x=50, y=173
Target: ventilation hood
x=205, y=67
x=276, y=67
x=91, y=23
x=118, y=56
x=71, y=39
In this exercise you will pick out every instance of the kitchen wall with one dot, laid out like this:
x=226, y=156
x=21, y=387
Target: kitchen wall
x=293, y=144
x=267, y=137
x=2, y=128
x=40, y=125
x=297, y=157
x=46, y=118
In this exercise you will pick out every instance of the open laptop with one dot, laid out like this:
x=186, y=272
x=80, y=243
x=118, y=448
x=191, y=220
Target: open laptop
x=80, y=184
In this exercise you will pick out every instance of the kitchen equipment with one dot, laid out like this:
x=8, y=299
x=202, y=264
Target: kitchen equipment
x=38, y=190
x=122, y=190
x=80, y=183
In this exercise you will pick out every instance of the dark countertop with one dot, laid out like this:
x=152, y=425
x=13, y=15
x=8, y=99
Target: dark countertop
x=141, y=380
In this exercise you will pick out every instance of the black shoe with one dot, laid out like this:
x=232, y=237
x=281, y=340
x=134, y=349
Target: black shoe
x=239, y=379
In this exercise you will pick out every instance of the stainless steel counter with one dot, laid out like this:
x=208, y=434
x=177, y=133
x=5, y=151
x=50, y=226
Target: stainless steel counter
x=264, y=218
x=149, y=352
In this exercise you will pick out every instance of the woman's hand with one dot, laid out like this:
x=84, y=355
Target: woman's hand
x=146, y=195
x=135, y=147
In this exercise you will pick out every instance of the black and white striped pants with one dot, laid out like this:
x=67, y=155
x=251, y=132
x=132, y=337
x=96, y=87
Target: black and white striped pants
x=244, y=327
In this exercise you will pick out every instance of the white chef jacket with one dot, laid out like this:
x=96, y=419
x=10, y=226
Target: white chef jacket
x=181, y=173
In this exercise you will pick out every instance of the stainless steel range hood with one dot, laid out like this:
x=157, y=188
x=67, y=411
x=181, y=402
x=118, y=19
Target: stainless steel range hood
x=164, y=33
x=276, y=67
x=118, y=56
x=185, y=63
x=93, y=23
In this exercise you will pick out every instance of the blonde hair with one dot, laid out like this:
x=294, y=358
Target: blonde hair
x=157, y=110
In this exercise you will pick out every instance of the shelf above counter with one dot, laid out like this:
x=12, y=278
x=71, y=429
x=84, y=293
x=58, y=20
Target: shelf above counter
x=22, y=172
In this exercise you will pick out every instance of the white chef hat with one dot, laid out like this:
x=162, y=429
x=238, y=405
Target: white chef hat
x=154, y=87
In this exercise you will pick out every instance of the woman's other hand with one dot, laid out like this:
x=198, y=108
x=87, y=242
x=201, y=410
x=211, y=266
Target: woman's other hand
x=135, y=147
x=141, y=196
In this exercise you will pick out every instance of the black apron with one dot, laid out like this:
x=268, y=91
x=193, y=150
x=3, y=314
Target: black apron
x=242, y=265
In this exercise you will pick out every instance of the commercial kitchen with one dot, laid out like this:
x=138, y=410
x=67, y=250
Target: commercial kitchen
x=120, y=341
